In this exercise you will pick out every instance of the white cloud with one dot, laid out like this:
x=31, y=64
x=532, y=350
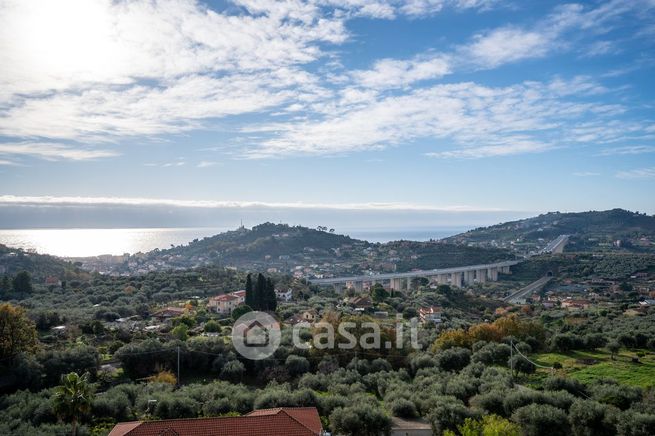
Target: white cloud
x=99, y=70
x=511, y=146
x=485, y=121
x=388, y=9
x=213, y=204
x=53, y=151
x=207, y=164
x=586, y=174
x=392, y=73
x=628, y=150
x=637, y=174
x=505, y=45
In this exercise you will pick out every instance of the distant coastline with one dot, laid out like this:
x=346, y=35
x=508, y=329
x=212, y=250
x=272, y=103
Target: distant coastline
x=95, y=242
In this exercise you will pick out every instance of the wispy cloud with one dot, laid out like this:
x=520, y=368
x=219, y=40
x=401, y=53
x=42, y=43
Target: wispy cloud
x=392, y=73
x=507, y=44
x=207, y=164
x=627, y=150
x=213, y=204
x=637, y=174
x=586, y=174
x=484, y=121
x=53, y=151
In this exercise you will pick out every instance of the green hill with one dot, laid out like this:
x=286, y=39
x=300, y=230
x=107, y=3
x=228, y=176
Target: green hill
x=614, y=230
x=316, y=251
x=13, y=260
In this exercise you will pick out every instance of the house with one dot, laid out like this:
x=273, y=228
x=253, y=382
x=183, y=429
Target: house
x=361, y=301
x=281, y=421
x=169, y=312
x=647, y=303
x=226, y=303
x=284, y=295
x=410, y=427
x=571, y=303
x=430, y=314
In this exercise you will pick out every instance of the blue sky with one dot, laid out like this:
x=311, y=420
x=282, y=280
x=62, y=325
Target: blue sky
x=426, y=107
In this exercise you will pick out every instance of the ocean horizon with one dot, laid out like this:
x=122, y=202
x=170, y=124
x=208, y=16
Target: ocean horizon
x=87, y=242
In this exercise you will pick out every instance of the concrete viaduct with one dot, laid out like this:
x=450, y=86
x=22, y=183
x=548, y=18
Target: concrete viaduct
x=457, y=277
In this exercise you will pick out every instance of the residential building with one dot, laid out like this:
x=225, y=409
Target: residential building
x=169, y=312
x=430, y=314
x=282, y=421
x=226, y=303
x=410, y=427
x=284, y=295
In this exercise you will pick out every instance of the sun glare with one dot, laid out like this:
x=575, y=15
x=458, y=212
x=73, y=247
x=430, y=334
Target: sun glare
x=68, y=40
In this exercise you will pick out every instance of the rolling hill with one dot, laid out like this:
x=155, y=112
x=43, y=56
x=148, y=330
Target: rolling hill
x=610, y=230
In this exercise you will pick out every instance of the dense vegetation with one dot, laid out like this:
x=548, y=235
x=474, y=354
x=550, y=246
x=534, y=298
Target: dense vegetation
x=41, y=266
x=594, y=230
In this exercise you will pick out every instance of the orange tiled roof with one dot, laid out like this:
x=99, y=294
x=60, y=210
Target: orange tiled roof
x=224, y=297
x=292, y=421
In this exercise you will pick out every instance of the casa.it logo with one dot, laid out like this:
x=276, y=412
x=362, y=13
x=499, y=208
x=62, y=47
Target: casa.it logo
x=256, y=335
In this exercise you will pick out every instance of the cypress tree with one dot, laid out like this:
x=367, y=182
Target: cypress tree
x=260, y=289
x=249, y=291
x=269, y=295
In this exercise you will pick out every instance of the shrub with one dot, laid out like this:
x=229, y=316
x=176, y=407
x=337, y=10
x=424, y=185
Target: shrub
x=403, y=408
x=359, y=419
x=541, y=420
x=296, y=365
x=453, y=359
x=590, y=418
x=636, y=424
x=570, y=385
x=449, y=413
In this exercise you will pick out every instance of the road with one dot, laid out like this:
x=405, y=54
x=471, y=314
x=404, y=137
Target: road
x=412, y=274
x=524, y=292
x=556, y=245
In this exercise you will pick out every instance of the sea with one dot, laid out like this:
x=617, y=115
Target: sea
x=73, y=243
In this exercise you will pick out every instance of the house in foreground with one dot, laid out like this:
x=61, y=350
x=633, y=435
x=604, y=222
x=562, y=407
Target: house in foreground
x=281, y=421
x=226, y=303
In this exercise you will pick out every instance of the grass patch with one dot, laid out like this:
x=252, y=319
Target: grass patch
x=621, y=369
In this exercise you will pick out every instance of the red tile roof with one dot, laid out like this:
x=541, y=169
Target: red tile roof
x=284, y=421
x=308, y=416
x=224, y=297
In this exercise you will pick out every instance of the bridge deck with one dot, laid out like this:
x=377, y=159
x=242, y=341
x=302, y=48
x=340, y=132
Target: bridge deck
x=412, y=274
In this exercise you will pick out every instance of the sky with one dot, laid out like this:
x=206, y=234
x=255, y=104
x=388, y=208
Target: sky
x=367, y=112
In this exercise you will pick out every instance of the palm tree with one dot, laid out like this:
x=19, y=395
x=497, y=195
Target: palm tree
x=73, y=397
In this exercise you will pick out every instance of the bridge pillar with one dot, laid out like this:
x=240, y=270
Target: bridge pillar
x=481, y=275
x=442, y=279
x=409, y=283
x=338, y=288
x=492, y=273
x=469, y=277
x=456, y=279
x=396, y=284
x=358, y=286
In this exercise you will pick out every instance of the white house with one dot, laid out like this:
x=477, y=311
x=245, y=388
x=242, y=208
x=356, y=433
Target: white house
x=284, y=295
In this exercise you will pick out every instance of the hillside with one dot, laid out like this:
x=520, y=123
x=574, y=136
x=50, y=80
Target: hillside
x=611, y=230
x=307, y=252
x=13, y=260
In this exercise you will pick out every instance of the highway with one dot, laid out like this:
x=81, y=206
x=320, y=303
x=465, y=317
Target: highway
x=524, y=292
x=412, y=274
x=556, y=245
